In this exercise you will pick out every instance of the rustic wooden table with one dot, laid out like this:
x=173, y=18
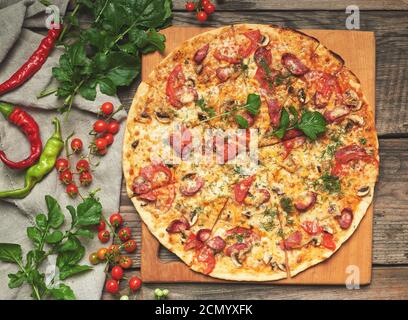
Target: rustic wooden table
x=389, y=20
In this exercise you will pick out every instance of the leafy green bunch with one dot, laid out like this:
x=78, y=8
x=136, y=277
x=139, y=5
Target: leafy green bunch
x=107, y=54
x=48, y=239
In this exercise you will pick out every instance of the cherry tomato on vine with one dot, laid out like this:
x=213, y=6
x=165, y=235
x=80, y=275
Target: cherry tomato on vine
x=125, y=234
x=102, y=225
x=209, y=8
x=109, y=138
x=85, y=178
x=66, y=177
x=135, y=283
x=112, y=286
x=107, y=108
x=82, y=165
x=202, y=16
x=116, y=219
x=205, y=2
x=113, y=127
x=117, y=273
x=125, y=262
x=76, y=145
x=62, y=164
x=101, y=253
x=93, y=258
x=103, y=152
x=130, y=246
x=114, y=249
x=100, y=126
x=101, y=143
x=104, y=236
x=72, y=190
x=190, y=6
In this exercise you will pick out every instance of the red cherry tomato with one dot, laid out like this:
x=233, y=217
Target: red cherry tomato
x=107, y=108
x=109, y=138
x=102, y=225
x=76, y=145
x=104, y=236
x=190, y=6
x=112, y=286
x=72, y=190
x=202, y=16
x=113, y=127
x=85, y=178
x=125, y=262
x=209, y=8
x=62, y=164
x=125, y=234
x=103, y=152
x=101, y=143
x=205, y=2
x=82, y=165
x=130, y=246
x=100, y=126
x=101, y=253
x=116, y=219
x=135, y=283
x=117, y=273
x=66, y=177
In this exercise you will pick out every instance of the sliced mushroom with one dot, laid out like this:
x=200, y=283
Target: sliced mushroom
x=358, y=120
x=281, y=266
x=316, y=241
x=235, y=259
x=267, y=258
x=352, y=100
x=135, y=144
x=302, y=96
x=193, y=217
x=247, y=214
x=363, y=191
x=327, y=229
x=198, y=68
x=190, y=83
x=162, y=117
x=333, y=210
x=278, y=189
x=144, y=117
x=264, y=41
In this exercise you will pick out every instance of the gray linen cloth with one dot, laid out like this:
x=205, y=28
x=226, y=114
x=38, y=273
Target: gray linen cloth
x=16, y=45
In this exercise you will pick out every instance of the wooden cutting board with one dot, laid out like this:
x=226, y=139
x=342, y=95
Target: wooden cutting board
x=358, y=50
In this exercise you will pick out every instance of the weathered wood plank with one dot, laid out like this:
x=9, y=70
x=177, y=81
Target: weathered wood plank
x=259, y=5
x=390, y=236
x=387, y=283
x=391, y=29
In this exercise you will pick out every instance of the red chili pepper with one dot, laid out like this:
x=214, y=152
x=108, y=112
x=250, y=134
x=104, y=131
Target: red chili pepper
x=33, y=64
x=30, y=128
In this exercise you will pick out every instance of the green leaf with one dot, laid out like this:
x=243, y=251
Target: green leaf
x=253, y=104
x=61, y=74
x=312, y=124
x=34, y=235
x=33, y=256
x=85, y=233
x=89, y=212
x=67, y=259
x=63, y=292
x=10, y=252
x=77, y=54
x=71, y=244
x=107, y=86
x=88, y=90
x=54, y=237
x=242, y=122
x=41, y=221
x=283, y=124
x=286, y=204
x=55, y=215
x=73, y=214
x=147, y=41
x=123, y=68
x=16, y=279
x=69, y=271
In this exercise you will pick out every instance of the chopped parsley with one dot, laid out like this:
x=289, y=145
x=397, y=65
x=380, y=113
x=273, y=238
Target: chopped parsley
x=269, y=219
x=363, y=140
x=328, y=183
x=203, y=106
x=286, y=204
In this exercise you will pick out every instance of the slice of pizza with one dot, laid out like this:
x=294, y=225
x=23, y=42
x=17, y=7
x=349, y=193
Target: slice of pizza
x=244, y=243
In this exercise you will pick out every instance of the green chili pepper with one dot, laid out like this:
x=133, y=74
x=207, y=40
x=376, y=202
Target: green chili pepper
x=45, y=164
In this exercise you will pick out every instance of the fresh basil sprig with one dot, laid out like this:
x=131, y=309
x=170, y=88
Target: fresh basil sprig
x=312, y=123
x=48, y=239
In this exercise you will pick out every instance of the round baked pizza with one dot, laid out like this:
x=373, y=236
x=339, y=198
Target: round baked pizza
x=251, y=152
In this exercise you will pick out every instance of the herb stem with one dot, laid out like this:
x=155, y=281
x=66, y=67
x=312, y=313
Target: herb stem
x=67, y=26
x=46, y=93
